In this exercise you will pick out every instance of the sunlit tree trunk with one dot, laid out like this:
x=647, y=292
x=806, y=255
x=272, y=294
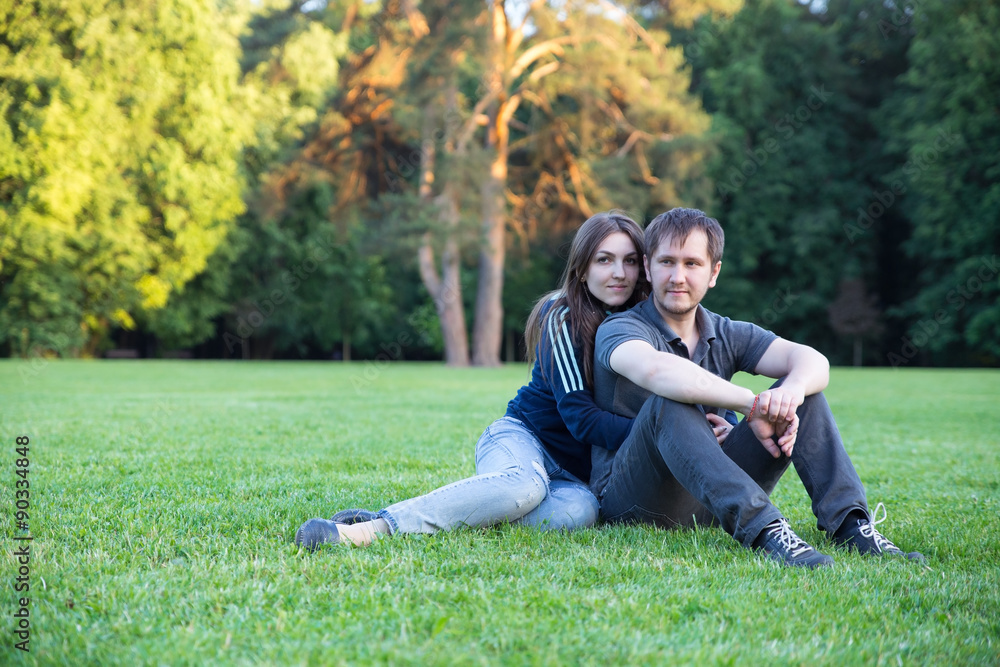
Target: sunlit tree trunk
x=487, y=332
x=445, y=286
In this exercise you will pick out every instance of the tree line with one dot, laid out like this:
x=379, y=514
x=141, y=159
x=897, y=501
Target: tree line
x=400, y=179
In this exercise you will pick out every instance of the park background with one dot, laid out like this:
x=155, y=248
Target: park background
x=395, y=182
x=400, y=180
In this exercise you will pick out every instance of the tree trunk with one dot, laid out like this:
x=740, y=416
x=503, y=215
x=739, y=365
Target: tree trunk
x=857, y=351
x=498, y=103
x=445, y=287
x=447, y=290
x=263, y=347
x=347, y=347
x=487, y=331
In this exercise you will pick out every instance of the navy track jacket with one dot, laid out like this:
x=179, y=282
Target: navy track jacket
x=557, y=405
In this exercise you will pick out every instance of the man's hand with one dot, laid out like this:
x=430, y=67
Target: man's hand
x=762, y=427
x=720, y=427
x=780, y=403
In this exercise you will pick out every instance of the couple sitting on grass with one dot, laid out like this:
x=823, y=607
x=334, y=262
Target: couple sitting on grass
x=639, y=404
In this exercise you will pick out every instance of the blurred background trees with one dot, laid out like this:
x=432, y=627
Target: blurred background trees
x=401, y=180
x=119, y=162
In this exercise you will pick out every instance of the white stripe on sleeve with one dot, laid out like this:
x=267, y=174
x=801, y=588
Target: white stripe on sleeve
x=563, y=353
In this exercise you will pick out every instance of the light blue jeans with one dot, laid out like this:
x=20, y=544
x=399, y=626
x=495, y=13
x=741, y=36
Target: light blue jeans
x=516, y=481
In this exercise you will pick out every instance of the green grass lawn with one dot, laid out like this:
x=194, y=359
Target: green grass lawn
x=165, y=496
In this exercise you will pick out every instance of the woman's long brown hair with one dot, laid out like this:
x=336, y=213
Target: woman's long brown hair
x=586, y=312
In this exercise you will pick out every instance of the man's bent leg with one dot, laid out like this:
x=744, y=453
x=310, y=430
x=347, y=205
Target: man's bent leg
x=671, y=471
x=824, y=466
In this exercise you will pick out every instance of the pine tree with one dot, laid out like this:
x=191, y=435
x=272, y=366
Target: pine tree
x=580, y=100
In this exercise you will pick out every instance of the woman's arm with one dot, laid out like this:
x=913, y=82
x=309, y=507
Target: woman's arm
x=562, y=366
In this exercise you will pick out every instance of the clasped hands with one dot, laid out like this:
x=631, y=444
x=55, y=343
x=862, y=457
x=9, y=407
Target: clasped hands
x=775, y=415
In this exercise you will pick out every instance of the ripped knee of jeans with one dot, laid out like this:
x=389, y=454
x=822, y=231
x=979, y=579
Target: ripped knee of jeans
x=538, y=486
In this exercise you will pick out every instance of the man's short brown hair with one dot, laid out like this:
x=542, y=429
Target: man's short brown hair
x=678, y=223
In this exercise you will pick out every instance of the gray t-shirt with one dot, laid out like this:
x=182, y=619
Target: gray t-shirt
x=724, y=347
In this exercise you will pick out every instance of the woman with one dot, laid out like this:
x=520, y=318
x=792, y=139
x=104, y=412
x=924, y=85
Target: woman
x=533, y=463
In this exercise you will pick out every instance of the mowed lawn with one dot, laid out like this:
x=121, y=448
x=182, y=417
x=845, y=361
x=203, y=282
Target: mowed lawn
x=165, y=496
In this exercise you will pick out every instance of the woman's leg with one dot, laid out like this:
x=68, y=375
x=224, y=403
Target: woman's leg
x=512, y=481
x=568, y=505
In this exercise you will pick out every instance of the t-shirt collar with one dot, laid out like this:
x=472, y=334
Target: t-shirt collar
x=706, y=328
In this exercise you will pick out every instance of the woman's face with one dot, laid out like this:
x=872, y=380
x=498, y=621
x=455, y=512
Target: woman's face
x=613, y=270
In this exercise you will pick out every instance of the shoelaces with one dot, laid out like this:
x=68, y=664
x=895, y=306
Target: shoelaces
x=870, y=531
x=789, y=539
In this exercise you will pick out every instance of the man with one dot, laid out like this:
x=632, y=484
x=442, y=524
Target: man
x=667, y=362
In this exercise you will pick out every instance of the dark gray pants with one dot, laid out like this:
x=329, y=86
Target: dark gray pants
x=671, y=471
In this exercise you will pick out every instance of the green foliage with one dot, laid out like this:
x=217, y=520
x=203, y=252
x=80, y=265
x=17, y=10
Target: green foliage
x=301, y=281
x=775, y=81
x=826, y=171
x=149, y=149
x=165, y=497
x=944, y=121
x=193, y=312
x=614, y=125
x=291, y=63
x=119, y=170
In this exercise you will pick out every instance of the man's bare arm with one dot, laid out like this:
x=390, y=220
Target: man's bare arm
x=684, y=381
x=805, y=370
x=677, y=378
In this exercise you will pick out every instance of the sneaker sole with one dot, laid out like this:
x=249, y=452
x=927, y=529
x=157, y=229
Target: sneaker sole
x=314, y=533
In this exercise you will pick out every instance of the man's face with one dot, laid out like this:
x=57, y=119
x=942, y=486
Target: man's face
x=681, y=273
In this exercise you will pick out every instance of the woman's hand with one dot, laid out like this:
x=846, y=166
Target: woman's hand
x=720, y=427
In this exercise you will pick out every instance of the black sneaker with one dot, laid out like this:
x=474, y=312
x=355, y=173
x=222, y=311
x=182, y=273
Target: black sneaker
x=861, y=535
x=315, y=532
x=353, y=516
x=780, y=543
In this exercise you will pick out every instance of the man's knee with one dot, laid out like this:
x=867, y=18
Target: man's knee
x=670, y=413
x=661, y=427
x=814, y=403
